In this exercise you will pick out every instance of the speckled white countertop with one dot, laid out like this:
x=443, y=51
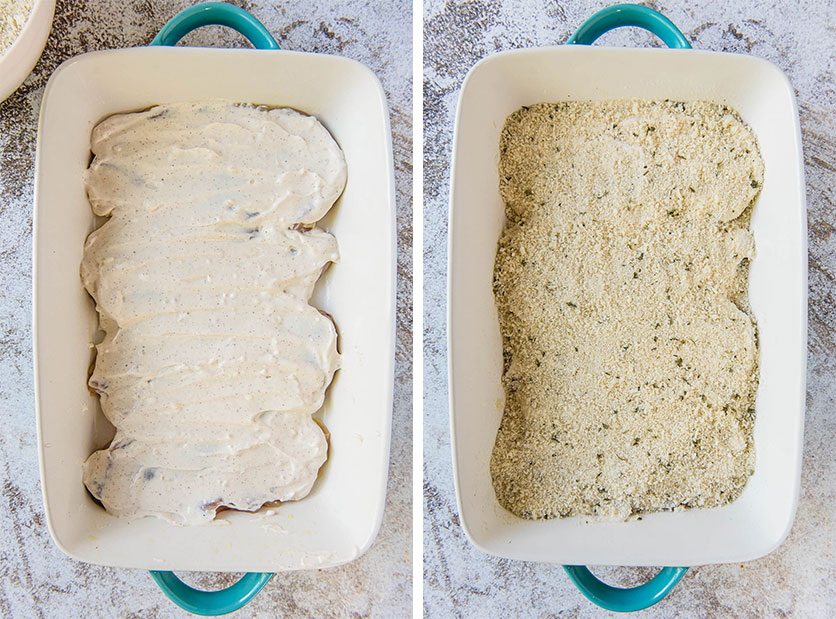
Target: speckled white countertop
x=799, y=579
x=36, y=578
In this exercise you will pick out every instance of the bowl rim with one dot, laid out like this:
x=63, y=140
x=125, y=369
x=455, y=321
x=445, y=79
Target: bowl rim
x=37, y=26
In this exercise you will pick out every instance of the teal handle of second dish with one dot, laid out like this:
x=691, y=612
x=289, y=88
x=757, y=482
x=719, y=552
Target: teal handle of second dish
x=600, y=593
x=213, y=603
x=215, y=14
x=629, y=15
x=624, y=600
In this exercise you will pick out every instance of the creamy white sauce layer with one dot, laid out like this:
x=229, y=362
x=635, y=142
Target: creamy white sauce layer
x=213, y=361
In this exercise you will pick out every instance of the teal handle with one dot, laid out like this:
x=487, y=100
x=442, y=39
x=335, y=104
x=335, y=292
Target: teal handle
x=625, y=600
x=211, y=603
x=215, y=14
x=629, y=15
x=600, y=593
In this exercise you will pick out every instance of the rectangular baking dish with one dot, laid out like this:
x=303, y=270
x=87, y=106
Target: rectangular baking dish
x=338, y=521
x=761, y=518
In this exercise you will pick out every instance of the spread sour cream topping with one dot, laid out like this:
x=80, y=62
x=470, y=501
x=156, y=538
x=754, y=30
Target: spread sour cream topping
x=213, y=362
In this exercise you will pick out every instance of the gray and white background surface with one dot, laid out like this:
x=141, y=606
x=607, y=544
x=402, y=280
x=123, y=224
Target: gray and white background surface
x=36, y=578
x=798, y=579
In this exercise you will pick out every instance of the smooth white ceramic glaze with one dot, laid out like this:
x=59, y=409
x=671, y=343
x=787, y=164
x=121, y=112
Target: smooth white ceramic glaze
x=21, y=57
x=338, y=521
x=761, y=518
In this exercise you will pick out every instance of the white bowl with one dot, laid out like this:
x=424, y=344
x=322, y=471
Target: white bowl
x=338, y=521
x=23, y=54
x=761, y=518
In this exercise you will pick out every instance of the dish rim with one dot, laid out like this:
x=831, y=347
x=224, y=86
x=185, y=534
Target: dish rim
x=388, y=286
x=461, y=487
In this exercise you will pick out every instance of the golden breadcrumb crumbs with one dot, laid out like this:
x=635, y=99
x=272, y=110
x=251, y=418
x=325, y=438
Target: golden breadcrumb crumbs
x=13, y=17
x=630, y=354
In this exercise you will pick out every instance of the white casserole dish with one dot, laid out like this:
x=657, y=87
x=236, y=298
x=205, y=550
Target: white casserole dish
x=338, y=521
x=761, y=518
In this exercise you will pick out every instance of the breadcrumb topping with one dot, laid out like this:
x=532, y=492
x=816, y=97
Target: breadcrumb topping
x=630, y=353
x=13, y=16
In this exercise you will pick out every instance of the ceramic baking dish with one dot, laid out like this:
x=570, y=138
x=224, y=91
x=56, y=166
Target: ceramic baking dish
x=338, y=521
x=761, y=518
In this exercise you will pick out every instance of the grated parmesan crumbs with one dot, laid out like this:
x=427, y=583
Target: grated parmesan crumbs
x=13, y=16
x=630, y=353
